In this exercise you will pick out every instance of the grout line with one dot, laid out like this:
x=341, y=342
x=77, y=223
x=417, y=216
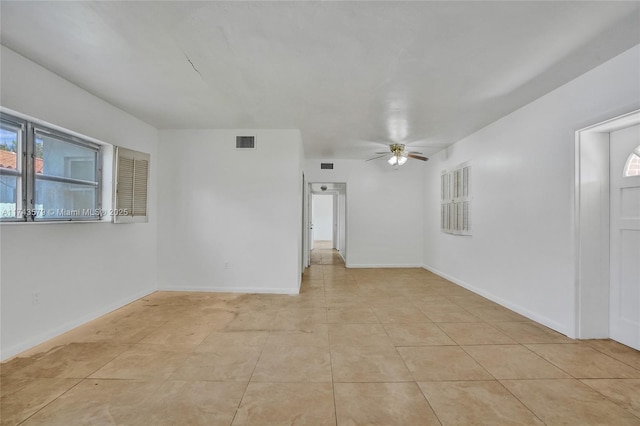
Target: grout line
x=521, y=402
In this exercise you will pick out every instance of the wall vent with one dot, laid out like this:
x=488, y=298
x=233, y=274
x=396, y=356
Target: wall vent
x=245, y=142
x=326, y=166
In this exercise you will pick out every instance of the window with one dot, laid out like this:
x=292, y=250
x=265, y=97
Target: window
x=632, y=167
x=455, y=201
x=47, y=174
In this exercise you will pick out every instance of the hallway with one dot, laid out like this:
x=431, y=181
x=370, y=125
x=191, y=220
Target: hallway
x=356, y=346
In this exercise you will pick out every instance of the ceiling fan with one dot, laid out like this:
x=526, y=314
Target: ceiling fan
x=398, y=155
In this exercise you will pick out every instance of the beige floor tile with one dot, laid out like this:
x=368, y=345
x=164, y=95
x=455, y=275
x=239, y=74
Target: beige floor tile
x=417, y=334
x=497, y=314
x=205, y=318
x=266, y=404
x=399, y=314
x=314, y=292
x=382, y=404
x=15, y=366
x=221, y=364
x=358, y=335
x=476, y=403
x=99, y=402
x=350, y=300
x=568, y=402
x=513, y=362
x=529, y=332
x=293, y=364
x=584, y=362
x=396, y=307
x=187, y=358
x=437, y=305
x=157, y=314
x=253, y=320
x=124, y=330
x=188, y=334
x=457, y=316
x=471, y=301
x=351, y=316
x=618, y=351
x=75, y=360
x=368, y=364
x=315, y=336
x=429, y=363
x=29, y=397
x=150, y=362
x=9, y=385
x=194, y=403
x=475, y=334
x=624, y=392
x=224, y=339
x=299, y=318
x=300, y=302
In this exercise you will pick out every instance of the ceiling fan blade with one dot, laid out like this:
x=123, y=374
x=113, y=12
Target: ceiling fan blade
x=417, y=157
x=388, y=152
x=379, y=156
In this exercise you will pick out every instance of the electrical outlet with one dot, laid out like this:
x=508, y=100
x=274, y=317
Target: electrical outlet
x=35, y=298
x=226, y=264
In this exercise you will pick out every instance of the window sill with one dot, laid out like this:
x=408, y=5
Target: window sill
x=54, y=222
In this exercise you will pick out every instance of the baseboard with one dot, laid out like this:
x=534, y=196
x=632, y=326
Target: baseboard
x=246, y=290
x=554, y=325
x=41, y=338
x=380, y=265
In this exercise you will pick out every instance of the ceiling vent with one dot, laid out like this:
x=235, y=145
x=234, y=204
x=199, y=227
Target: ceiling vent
x=245, y=142
x=326, y=166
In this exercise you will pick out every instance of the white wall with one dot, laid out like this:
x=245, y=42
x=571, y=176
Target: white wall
x=82, y=270
x=384, y=210
x=522, y=252
x=222, y=206
x=322, y=206
x=342, y=218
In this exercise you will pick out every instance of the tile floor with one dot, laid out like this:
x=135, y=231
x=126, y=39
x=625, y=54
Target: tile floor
x=372, y=346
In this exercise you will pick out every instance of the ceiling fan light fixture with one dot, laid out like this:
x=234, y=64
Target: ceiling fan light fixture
x=401, y=160
x=393, y=161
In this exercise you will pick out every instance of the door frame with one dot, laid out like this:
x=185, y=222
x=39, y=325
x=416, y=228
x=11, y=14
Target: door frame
x=342, y=207
x=592, y=232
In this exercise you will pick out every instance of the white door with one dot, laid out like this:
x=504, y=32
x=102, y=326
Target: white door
x=624, y=311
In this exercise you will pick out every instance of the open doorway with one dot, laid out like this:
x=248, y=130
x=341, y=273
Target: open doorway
x=608, y=231
x=322, y=219
x=326, y=232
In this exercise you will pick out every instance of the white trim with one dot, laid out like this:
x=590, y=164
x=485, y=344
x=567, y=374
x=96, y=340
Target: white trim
x=43, y=337
x=516, y=308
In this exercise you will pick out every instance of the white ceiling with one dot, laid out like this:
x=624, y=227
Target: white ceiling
x=348, y=74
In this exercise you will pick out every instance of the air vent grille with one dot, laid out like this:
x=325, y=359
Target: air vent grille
x=326, y=166
x=245, y=142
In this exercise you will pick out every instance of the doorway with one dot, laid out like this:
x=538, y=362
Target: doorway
x=608, y=231
x=322, y=220
x=326, y=204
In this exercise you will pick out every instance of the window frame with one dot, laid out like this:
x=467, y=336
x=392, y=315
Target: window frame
x=30, y=214
x=21, y=166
